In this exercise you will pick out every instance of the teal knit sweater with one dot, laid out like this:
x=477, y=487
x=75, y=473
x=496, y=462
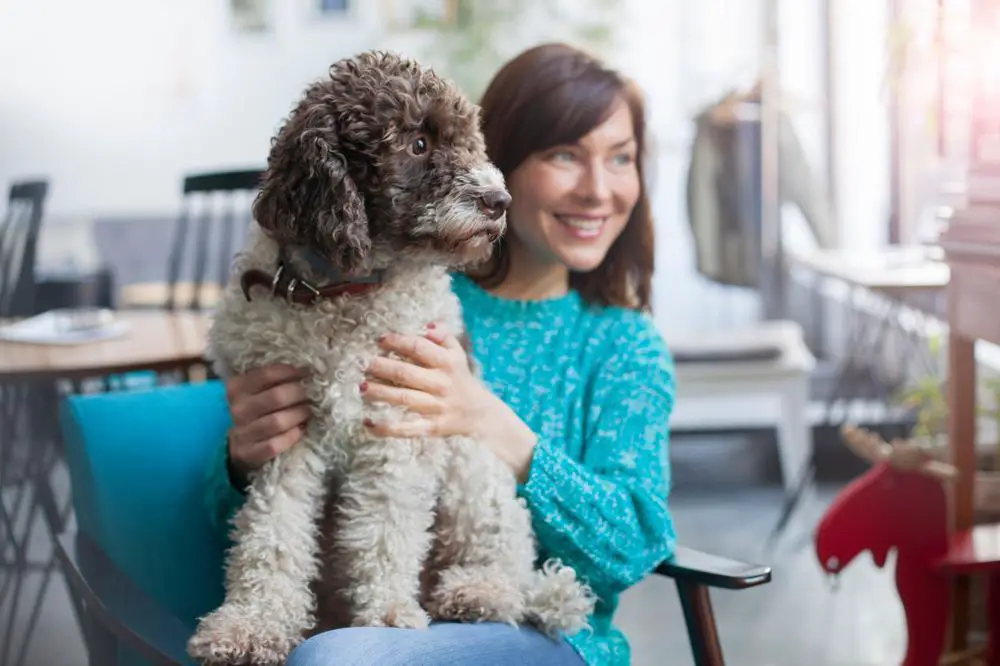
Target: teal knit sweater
x=597, y=387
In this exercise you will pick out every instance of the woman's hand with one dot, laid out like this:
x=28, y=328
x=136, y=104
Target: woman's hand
x=435, y=384
x=269, y=410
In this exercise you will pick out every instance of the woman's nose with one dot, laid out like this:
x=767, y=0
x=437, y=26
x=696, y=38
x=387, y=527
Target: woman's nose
x=594, y=184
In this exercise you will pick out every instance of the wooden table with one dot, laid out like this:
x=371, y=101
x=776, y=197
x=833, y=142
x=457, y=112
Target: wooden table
x=156, y=340
x=890, y=271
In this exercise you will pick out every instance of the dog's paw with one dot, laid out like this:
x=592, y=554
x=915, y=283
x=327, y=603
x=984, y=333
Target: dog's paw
x=476, y=595
x=232, y=636
x=558, y=601
x=402, y=614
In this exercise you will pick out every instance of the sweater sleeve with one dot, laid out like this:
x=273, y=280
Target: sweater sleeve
x=607, y=515
x=222, y=499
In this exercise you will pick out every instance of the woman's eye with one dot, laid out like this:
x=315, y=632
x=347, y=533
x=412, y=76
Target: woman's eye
x=562, y=156
x=419, y=146
x=625, y=159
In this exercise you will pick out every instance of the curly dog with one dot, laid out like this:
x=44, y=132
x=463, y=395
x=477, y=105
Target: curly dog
x=377, y=186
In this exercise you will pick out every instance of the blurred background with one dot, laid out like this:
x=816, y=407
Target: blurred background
x=129, y=96
x=852, y=121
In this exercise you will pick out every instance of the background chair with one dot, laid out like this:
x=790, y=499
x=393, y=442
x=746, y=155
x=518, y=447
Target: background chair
x=19, y=232
x=25, y=287
x=215, y=214
x=143, y=570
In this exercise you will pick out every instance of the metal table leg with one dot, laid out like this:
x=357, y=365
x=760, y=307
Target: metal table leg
x=28, y=454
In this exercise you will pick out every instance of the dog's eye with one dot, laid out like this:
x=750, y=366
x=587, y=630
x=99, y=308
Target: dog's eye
x=419, y=146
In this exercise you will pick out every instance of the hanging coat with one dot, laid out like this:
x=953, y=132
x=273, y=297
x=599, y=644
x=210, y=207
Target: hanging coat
x=724, y=192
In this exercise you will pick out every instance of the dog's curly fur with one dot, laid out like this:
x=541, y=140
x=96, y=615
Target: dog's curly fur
x=381, y=166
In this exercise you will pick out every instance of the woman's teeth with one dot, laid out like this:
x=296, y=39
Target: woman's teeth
x=586, y=227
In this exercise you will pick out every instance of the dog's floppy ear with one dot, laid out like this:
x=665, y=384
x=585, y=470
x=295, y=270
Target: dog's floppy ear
x=307, y=196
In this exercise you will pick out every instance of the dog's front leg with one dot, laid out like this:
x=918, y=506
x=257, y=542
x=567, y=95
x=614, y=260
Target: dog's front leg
x=386, y=508
x=269, y=603
x=486, y=551
x=488, y=571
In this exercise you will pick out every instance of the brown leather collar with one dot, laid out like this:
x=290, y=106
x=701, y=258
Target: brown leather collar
x=284, y=283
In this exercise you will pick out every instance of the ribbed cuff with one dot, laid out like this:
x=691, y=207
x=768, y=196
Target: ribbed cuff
x=547, y=470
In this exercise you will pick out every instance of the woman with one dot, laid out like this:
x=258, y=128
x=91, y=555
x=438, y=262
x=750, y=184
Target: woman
x=577, y=385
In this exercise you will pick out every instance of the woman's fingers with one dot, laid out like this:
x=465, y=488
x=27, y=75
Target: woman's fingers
x=272, y=425
x=407, y=375
x=270, y=448
x=418, y=349
x=412, y=427
x=443, y=338
x=250, y=407
x=260, y=379
x=415, y=401
x=268, y=407
x=263, y=439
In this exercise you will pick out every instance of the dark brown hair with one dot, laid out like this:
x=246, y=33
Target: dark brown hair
x=552, y=95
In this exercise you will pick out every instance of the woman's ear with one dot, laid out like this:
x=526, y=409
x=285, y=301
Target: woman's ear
x=307, y=196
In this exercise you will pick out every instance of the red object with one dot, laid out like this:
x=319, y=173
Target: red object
x=887, y=509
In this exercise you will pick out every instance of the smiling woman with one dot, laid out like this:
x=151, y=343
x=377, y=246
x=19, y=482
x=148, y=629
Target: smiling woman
x=568, y=135
x=578, y=197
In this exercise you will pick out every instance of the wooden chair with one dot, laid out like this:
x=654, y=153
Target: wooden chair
x=147, y=559
x=19, y=231
x=214, y=211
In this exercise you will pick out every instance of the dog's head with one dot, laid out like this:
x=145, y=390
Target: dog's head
x=383, y=157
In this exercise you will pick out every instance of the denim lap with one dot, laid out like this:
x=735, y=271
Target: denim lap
x=443, y=644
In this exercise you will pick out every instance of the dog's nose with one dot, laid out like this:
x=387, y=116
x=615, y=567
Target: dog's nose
x=494, y=203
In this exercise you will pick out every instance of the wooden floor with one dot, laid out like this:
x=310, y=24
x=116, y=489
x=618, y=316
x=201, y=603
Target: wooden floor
x=724, y=502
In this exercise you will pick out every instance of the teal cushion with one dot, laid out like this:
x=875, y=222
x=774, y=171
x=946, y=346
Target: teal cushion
x=138, y=463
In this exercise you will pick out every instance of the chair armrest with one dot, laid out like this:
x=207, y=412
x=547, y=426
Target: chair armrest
x=694, y=572
x=699, y=568
x=116, y=609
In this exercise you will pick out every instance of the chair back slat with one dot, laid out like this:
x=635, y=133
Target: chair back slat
x=208, y=231
x=223, y=181
x=19, y=231
x=229, y=220
x=204, y=236
x=177, y=253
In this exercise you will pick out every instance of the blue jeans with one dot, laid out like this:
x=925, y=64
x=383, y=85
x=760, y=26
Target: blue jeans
x=443, y=644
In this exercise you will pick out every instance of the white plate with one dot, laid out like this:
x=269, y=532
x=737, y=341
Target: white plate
x=65, y=327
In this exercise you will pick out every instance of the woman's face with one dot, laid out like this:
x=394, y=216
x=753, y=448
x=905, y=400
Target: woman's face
x=570, y=203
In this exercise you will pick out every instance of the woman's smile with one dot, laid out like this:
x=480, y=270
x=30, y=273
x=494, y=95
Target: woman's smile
x=583, y=227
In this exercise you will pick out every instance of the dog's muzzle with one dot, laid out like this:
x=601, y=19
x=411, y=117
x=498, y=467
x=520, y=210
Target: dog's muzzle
x=490, y=233
x=493, y=203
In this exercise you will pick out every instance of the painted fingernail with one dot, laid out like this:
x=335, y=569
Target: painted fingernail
x=364, y=386
x=369, y=423
x=302, y=427
x=431, y=325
